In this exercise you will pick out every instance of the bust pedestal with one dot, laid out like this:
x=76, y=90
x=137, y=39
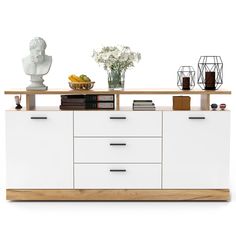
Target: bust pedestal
x=37, y=83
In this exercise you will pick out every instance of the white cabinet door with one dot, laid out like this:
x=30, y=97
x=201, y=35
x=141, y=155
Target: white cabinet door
x=39, y=148
x=196, y=149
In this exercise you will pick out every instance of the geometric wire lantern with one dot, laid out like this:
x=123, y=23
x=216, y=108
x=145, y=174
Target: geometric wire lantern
x=210, y=72
x=186, y=77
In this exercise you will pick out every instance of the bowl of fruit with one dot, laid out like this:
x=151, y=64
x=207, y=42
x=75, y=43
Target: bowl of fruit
x=81, y=82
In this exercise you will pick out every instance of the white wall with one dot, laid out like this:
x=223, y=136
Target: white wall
x=168, y=34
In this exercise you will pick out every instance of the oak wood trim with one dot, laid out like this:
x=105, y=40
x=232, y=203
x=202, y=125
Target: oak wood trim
x=205, y=102
x=118, y=195
x=117, y=102
x=30, y=102
x=125, y=91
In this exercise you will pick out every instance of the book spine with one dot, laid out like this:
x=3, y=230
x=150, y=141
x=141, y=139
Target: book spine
x=72, y=104
x=72, y=96
x=142, y=100
x=62, y=107
x=100, y=105
x=108, y=105
x=151, y=104
x=90, y=98
x=144, y=109
x=105, y=98
x=73, y=101
x=99, y=97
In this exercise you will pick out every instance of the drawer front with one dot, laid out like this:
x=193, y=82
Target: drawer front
x=117, y=123
x=121, y=150
x=118, y=176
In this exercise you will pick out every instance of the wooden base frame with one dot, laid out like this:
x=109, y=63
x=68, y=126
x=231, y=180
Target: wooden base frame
x=118, y=195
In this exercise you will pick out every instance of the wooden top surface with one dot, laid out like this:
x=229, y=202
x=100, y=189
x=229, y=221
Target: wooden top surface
x=125, y=91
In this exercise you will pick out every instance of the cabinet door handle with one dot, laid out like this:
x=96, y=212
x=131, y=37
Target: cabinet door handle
x=197, y=118
x=117, y=170
x=38, y=117
x=117, y=117
x=117, y=144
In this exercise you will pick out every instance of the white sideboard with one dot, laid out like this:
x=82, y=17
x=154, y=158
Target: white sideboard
x=117, y=149
x=117, y=155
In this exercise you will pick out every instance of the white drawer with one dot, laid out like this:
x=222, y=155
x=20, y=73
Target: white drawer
x=121, y=150
x=117, y=123
x=117, y=176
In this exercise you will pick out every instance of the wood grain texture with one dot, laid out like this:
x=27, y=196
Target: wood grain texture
x=125, y=91
x=117, y=102
x=205, y=102
x=30, y=102
x=118, y=195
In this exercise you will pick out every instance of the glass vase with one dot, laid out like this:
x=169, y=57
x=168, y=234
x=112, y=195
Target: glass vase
x=116, y=79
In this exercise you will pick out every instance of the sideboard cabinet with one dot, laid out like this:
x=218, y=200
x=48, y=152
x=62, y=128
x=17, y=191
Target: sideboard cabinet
x=117, y=155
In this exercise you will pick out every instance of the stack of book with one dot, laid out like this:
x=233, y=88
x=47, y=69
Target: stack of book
x=87, y=102
x=143, y=105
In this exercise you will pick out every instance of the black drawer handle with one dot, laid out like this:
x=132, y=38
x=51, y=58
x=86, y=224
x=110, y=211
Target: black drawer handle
x=118, y=118
x=197, y=118
x=117, y=144
x=38, y=117
x=117, y=170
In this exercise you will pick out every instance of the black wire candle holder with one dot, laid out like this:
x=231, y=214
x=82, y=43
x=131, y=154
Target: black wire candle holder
x=186, y=77
x=210, y=72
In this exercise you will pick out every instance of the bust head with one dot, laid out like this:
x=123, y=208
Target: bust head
x=37, y=50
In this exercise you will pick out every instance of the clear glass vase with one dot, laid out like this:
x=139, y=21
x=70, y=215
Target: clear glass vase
x=116, y=79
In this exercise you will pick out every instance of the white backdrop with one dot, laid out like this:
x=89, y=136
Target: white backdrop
x=168, y=34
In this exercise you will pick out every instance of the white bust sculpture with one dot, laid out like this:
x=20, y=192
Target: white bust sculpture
x=37, y=64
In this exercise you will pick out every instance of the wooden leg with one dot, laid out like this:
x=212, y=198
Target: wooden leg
x=117, y=102
x=30, y=102
x=205, y=102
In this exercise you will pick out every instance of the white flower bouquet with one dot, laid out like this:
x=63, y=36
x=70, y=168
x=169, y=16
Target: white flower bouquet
x=116, y=60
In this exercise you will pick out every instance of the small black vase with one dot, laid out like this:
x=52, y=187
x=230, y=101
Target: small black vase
x=214, y=106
